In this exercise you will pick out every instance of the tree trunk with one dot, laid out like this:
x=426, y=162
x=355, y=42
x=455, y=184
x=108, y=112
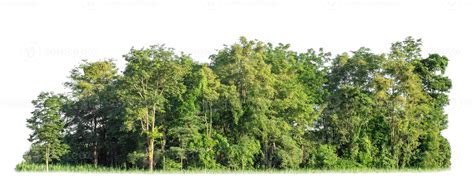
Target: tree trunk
x=94, y=154
x=46, y=156
x=267, y=147
x=163, y=159
x=151, y=146
x=94, y=149
x=210, y=117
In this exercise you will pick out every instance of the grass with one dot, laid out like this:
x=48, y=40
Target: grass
x=28, y=167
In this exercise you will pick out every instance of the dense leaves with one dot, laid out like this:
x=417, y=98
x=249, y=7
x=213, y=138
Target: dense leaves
x=254, y=106
x=48, y=128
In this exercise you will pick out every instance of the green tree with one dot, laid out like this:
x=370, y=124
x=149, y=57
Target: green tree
x=272, y=107
x=434, y=150
x=402, y=102
x=242, y=67
x=88, y=84
x=193, y=129
x=152, y=76
x=48, y=126
x=350, y=104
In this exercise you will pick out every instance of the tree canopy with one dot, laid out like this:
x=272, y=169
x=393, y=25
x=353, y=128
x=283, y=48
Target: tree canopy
x=256, y=105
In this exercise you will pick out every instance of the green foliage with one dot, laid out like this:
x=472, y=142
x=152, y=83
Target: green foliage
x=255, y=106
x=324, y=157
x=34, y=155
x=47, y=124
x=136, y=159
x=153, y=77
x=242, y=155
x=90, y=110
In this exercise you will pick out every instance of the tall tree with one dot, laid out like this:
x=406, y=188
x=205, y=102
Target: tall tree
x=350, y=105
x=152, y=76
x=275, y=111
x=89, y=82
x=405, y=105
x=242, y=66
x=434, y=148
x=48, y=126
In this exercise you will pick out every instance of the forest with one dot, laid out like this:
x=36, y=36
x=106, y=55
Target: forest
x=254, y=106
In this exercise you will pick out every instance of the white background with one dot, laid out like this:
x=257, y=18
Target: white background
x=41, y=41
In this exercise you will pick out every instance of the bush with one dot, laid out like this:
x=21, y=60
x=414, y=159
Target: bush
x=137, y=159
x=343, y=164
x=172, y=165
x=324, y=157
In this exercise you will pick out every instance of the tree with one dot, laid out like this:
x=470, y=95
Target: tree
x=242, y=67
x=88, y=84
x=350, y=105
x=405, y=102
x=152, y=76
x=272, y=107
x=434, y=148
x=48, y=126
x=407, y=107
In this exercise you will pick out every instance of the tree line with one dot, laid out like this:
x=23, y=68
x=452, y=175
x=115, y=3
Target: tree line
x=254, y=106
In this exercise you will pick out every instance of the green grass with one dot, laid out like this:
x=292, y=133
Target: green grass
x=28, y=167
